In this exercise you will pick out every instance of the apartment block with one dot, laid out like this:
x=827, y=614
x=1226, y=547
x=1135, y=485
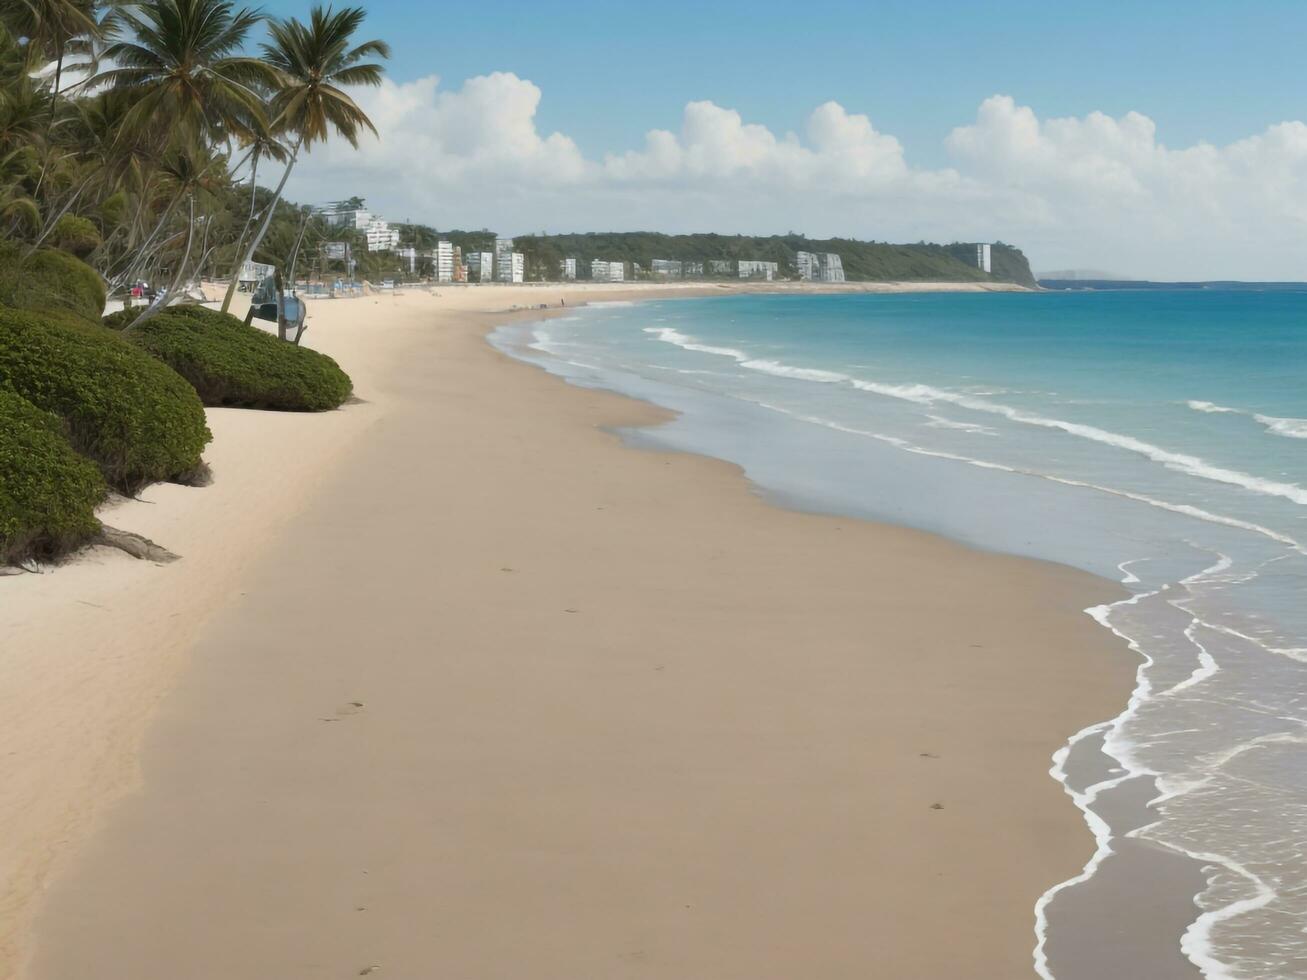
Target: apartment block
x=758, y=270
x=504, y=259
x=832, y=267
x=480, y=266
x=444, y=261
x=604, y=271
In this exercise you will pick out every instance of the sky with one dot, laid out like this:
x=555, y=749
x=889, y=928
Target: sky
x=1154, y=139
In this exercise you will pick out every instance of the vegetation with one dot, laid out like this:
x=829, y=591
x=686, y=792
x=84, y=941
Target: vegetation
x=230, y=363
x=122, y=319
x=136, y=418
x=863, y=261
x=312, y=62
x=147, y=169
x=49, y=280
x=49, y=493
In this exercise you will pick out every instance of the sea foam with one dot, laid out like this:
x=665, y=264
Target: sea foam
x=923, y=394
x=1290, y=428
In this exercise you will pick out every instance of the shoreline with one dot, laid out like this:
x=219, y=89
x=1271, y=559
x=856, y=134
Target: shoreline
x=382, y=411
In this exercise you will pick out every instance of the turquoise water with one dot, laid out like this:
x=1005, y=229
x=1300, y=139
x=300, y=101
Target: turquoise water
x=1157, y=438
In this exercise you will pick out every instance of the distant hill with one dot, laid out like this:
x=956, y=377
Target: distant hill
x=863, y=261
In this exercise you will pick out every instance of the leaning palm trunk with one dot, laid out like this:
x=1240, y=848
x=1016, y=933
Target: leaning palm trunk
x=248, y=255
x=240, y=240
x=161, y=299
x=143, y=253
x=67, y=206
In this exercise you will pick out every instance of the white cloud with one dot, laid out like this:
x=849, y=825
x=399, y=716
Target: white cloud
x=1092, y=191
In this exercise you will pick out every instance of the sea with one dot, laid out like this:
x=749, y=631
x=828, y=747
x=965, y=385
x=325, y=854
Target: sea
x=1157, y=438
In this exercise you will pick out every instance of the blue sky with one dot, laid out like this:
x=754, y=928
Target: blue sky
x=1158, y=139
x=1211, y=70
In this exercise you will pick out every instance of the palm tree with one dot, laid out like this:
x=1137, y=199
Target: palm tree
x=315, y=62
x=53, y=29
x=182, y=67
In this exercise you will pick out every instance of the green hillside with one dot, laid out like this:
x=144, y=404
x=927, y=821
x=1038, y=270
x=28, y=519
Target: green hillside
x=863, y=261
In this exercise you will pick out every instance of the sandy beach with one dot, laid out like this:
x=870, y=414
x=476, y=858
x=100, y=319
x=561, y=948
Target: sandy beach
x=450, y=683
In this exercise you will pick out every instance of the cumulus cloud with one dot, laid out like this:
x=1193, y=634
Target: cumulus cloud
x=1087, y=191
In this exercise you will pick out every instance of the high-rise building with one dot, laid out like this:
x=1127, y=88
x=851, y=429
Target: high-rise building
x=444, y=261
x=808, y=265
x=409, y=256
x=516, y=267
x=984, y=257
x=569, y=268
x=504, y=259
x=460, y=270
x=832, y=267
x=480, y=266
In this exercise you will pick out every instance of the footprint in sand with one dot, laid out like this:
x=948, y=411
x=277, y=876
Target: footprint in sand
x=345, y=710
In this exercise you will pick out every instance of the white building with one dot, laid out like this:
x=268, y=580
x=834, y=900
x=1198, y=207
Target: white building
x=984, y=258
x=719, y=267
x=569, y=269
x=444, y=261
x=832, y=267
x=517, y=267
x=808, y=266
x=381, y=237
x=253, y=273
x=666, y=268
x=342, y=215
x=689, y=269
x=758, y=270
x=480, y=266
x=409, y=256
x=603, y=271
x=504, y=259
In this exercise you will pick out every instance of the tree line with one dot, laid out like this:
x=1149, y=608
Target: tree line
x=134, y=135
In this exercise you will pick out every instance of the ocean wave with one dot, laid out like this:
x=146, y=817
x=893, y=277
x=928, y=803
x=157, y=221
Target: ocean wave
x=939, y=422
x=923, y=394
x=789, y=371
x=669, y=336
x=1290, y=428
x=1185, y=510
x=1211, y=408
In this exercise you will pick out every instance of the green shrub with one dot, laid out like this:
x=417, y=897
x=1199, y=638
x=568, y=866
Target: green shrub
x=137, y=419
x=76, y=235
x=48, y=493
x=230, y=363
x=124, y=318
x=49, y=280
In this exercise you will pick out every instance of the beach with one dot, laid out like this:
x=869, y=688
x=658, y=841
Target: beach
x=451, y=682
